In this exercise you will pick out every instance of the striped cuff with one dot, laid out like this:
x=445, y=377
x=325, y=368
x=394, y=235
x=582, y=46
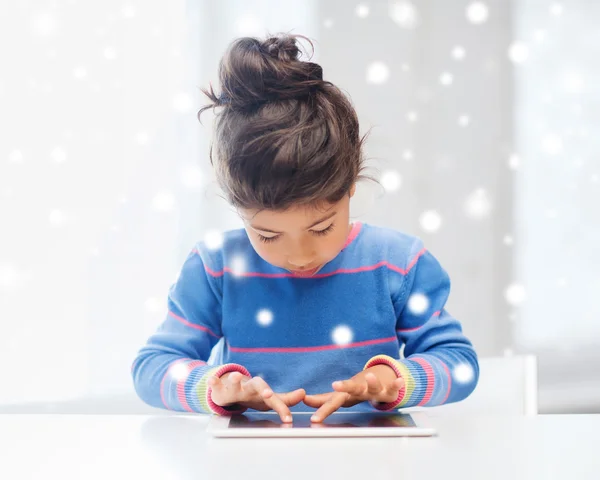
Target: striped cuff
x=204, y=391
x=401, y=372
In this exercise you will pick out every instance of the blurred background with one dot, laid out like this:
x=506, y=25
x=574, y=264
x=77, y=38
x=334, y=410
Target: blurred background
x=484, y=124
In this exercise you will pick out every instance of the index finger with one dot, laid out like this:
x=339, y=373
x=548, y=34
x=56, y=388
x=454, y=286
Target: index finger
x=334, y=403
x=270, y=398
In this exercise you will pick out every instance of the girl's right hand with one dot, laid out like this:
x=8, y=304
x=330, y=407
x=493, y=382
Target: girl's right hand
x=235, y=388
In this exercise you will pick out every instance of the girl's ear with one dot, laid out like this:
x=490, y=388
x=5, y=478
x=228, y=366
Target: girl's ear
x=352, y=190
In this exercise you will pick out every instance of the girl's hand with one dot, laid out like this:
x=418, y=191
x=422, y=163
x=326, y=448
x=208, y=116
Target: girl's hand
x=376, y=384
x=235, y=388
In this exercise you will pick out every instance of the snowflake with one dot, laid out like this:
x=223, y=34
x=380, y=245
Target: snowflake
x=191, y=176
x=446, y=79
x=418, y=303
x=518, y=52
x=179, y=371
x=328, y=23
x=182, y=102
x=213, y=239
x=515, y=294
x=44, y=24
x=556, y=9
x=152, y=305
x=57, y=218
x=477, y=13
x=514, y=161
x=377, y=73
x=508, y=240
x=163, y=201
x=404, y=14
x=79, y=72
x=15, y=156
x=95, y=251
x=128, y=11
x=430, y=221
x=10, y=278
x=478, y=204
x=264, y=317
x=391, y=180
x=464, y=120
x=238, y=265
x=412, y=116
x=458, y=52
x=248, y=26
x=408, y=155
x=552, y=144
x=362, y=10
x=58, y=155
x=142, y=138
x=463, y=373
x=342, y=335
x=110, y=53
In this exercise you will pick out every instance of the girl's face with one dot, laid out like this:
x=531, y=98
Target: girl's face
x=300, y=239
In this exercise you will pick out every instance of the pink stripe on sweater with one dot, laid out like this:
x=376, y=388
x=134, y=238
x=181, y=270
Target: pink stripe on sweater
x=430, y=379
x=162, y=382
x=353, y=233
x=310, y=349
x=192, y=325
x=180, y=388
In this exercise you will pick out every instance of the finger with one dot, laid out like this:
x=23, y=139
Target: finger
x=273, y=401
x=351, y=386
x=293, y=398
x=374, y=386
x=330, y=406
x=257, y=387
x=315, y=401
x=396, y=385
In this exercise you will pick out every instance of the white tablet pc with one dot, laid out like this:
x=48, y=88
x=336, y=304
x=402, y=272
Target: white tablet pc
x=339, y=424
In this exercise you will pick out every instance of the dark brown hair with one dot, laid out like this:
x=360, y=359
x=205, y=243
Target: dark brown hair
x=284, y=135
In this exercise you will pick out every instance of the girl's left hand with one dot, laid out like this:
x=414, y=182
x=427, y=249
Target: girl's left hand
x=376, y=384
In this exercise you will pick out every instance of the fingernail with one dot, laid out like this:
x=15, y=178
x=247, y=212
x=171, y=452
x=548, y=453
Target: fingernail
x=337, y=384
x=314, y=418
x=287, y=419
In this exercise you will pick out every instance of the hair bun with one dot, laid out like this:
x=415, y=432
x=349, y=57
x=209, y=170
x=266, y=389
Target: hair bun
x=254, y=72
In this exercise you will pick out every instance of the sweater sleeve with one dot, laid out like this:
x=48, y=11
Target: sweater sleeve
x=171, y=370
x=439, y=365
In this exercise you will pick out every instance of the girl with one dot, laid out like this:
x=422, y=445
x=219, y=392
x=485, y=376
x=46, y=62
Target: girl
x=311, y=309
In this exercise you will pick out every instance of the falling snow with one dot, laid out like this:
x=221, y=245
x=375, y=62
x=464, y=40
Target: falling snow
x=264, y=317
x=213, y=239
x=404, y=14
x=446, y=79
x=342, y=335
x=418, y=303
x=59, y=155
x=458, y=53
x=378, y=73
x=478, y=204
x=515, y=294
x=477, y=13
x=464, y=120
x=163, y=202
x=15, y=156
x=362, y=10
x=57, y=218
x=412, y=116
x=182, y=102
x=238, y=265
x=391, y=180
x=463, y=373
x=152, y=305
x=430, y=221
x=518, y=52
x=179, y=371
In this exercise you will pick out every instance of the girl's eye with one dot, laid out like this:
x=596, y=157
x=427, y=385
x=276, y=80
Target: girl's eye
x=323, y=232
x=264, y=239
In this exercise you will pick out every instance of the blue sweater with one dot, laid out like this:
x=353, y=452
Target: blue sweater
x=383, y=291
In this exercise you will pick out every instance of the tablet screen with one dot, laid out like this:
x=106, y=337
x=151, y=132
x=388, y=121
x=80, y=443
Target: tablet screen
x=336, y=420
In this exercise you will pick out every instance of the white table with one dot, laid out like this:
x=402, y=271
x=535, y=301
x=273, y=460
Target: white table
x=177, y=447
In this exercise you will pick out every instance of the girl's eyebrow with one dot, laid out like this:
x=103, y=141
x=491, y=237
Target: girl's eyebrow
x=256, y=227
